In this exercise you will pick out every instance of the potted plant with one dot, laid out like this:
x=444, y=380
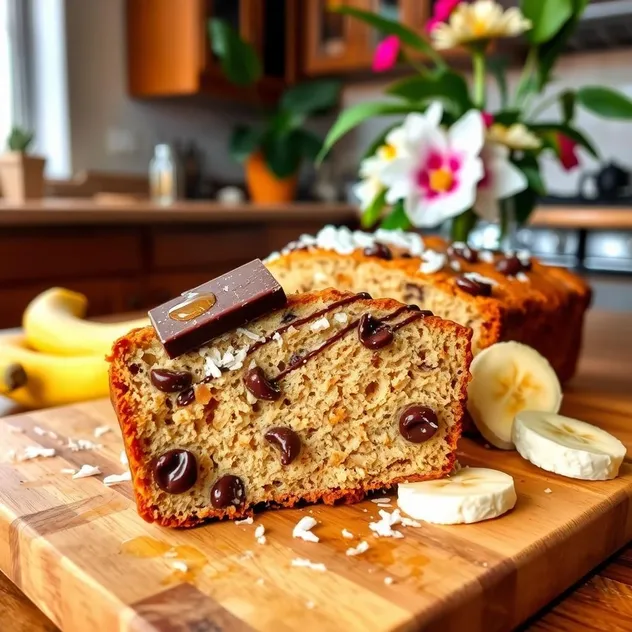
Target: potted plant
x=273, y=151
x=21, y=175
x=451, y=159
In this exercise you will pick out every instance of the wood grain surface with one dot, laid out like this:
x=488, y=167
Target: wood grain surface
x=73, y=545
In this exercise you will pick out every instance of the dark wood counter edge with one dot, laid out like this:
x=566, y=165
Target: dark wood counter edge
x=76, y=211
x=87, y=212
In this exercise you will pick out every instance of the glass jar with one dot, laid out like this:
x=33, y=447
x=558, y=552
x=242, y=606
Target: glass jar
x=164, y=175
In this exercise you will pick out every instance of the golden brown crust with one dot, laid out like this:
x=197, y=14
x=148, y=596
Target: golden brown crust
x=546, y=313
x=126, y=413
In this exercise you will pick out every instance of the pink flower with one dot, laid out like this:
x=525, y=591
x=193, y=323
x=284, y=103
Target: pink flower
x=488, y=119
x=568, y=152
x=442, y=12
x=386, y=54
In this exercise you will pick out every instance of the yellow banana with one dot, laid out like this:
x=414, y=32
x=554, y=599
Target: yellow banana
x=52, y=380
x=54, y=322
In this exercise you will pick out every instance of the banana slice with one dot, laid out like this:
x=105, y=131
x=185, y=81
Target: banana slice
x=507, y=378
x=471, y=495
x=567, y=446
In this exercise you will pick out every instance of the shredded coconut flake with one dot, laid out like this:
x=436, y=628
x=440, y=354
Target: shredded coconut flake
x=407, y=522
x=303, y=528
x=524, y=256
x=548, y=490
x=179, y=565
x=101, y=430
x=39, y=431
x=384, y=527
x=115, y=479
x=259, y=531
x=123, y=458
x=479, y=278
x=377, y=501
x=260, y=581
x=36, y=451
x=277, y=338
x=320, y=277
x=522, y=277
x=431, y=262
x=347, y=534
x=247, y=520
x=341, y=318
x=67, y=470
x=79, y=445
x=300, y=562
x=262, y=539
x=87, y=470
x=455, y=265
x=226, y=288
x=310, y=605
x=249, y=334
x=384, y=505
x=357, y=550
x=211, y=369
x=388, y=581
x=486, y=256
x=320, y=325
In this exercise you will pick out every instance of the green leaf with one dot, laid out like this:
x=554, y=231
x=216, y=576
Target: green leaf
x=547, y=17
x=498, y=68
x=542, y=129
x=372, y=213
x=238, y=59
x=397, y=218
x=524, y=203
x=605, y=102
x=390, y=27
x=461, y=226
x=309, y=145
x=548, y=52
x=311, y=97
x=567, y=101
x=285, y=121
x=442, y=84
x=355, y=115
x=282, y=156
x=528, y=164
x=244, y=141
x=507, y=117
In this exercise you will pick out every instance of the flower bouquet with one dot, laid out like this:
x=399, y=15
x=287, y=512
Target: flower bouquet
x=450, y=158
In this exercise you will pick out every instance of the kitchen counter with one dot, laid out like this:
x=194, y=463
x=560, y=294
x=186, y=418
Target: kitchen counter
x=113, y=210
x=600, y=389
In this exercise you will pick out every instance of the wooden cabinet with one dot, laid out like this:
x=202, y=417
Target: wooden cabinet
x=169, y=52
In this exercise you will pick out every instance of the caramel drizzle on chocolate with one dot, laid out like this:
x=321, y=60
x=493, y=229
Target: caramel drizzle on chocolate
x=353, y=325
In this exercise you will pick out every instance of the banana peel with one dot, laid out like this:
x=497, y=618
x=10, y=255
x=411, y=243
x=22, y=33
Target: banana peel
x=50, y=380
x=53, y=323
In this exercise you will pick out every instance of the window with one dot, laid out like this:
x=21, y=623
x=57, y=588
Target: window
x=6, y=91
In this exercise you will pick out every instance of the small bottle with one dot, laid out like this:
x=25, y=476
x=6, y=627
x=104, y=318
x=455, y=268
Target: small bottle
x=164, y=175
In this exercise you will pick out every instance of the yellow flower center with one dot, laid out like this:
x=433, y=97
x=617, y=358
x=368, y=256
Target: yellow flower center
x=441, y=180
x=479, y=27
x=387, y=152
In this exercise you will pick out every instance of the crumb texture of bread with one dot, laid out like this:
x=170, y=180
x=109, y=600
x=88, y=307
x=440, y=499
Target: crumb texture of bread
x=543, y=306
x=344, y=404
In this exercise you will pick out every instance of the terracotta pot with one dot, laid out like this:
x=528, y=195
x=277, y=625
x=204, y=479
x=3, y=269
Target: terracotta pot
x=21, y=176
x=264, y=187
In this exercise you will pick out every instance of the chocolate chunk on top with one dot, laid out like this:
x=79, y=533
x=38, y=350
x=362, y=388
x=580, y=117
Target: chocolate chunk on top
x=210, y=310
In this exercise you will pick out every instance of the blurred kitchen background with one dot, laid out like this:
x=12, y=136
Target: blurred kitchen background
x=108, y=85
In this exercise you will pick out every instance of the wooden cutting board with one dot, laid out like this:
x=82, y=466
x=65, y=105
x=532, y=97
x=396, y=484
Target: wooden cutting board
x=78, y=549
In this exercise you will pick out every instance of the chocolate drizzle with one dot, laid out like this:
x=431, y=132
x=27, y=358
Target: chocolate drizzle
x=301, y=321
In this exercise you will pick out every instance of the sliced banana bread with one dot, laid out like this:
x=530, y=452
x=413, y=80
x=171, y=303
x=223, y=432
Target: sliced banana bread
x=501, y=296
x=331, y=397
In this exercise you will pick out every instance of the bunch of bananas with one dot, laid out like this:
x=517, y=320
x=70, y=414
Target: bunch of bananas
x=60, y=357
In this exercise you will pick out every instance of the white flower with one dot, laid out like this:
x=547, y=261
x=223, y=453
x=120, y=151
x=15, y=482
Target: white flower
x=437, y=171
x=516, y=136
x=502, y=179
x=478, y=21
x=373, y=167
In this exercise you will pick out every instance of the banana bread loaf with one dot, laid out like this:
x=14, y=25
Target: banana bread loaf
x=501, y=296
x=331, y=397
